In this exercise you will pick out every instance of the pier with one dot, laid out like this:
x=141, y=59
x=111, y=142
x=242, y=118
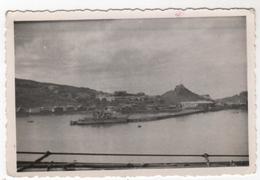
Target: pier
x=155, y=117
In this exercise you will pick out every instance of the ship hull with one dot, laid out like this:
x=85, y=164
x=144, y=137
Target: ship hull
x=94, y=122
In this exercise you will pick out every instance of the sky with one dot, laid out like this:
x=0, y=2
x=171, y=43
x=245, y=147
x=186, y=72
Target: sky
x=207, y=55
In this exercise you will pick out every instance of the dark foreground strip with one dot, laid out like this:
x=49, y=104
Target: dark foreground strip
x=63, y=166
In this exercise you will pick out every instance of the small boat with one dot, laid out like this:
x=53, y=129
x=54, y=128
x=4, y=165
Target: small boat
x=139, y=126
x=30, y=121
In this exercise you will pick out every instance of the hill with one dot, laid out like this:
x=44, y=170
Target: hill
x=180, y=94
x=34, y=94
x=236, y=99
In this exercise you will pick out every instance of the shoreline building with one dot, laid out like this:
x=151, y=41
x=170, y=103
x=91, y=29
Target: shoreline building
x=203, y=104
x=106, y=97
x=122, y=96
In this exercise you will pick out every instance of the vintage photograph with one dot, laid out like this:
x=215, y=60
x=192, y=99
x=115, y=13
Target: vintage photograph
x=131, y=93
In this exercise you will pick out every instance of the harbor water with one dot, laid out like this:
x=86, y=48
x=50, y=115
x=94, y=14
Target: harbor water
x=222, y=132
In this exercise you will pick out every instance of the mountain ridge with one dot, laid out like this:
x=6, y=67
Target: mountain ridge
x=30, y=93
x=240, y=98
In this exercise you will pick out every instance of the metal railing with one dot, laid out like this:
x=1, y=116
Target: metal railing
x=38, y=163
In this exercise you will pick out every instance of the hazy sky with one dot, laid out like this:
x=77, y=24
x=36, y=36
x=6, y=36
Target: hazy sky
x=207, y=55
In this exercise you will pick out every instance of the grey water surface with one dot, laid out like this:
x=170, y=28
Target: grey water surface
x=222, y=132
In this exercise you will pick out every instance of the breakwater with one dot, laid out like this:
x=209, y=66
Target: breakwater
x=154, y=117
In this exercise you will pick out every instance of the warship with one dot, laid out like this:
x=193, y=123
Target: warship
x=101, y=117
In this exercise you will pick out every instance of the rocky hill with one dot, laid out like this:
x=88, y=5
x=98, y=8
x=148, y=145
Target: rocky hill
x=34, y=94
x=180, y=94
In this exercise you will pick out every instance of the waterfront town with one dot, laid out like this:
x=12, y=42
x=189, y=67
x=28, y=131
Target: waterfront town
x=178, y=100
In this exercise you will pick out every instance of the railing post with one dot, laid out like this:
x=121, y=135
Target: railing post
x=206, y=156
x=50, y=166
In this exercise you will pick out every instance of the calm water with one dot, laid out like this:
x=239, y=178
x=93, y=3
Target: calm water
x=223, y=132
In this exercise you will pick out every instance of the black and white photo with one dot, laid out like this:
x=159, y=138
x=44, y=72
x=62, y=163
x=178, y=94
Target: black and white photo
x=133, y=93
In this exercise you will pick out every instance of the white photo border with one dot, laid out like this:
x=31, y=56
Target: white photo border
x=62, y=15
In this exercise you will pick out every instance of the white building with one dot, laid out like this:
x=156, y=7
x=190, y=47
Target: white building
x=34, y=110
x=106, y=97
x=195, y=104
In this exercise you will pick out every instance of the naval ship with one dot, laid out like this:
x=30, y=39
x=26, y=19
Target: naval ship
x=101, y=117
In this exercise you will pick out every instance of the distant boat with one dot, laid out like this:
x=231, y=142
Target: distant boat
x=139, y=126
x=30, y=121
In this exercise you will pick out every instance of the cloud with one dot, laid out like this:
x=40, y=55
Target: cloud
x=150, y=55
